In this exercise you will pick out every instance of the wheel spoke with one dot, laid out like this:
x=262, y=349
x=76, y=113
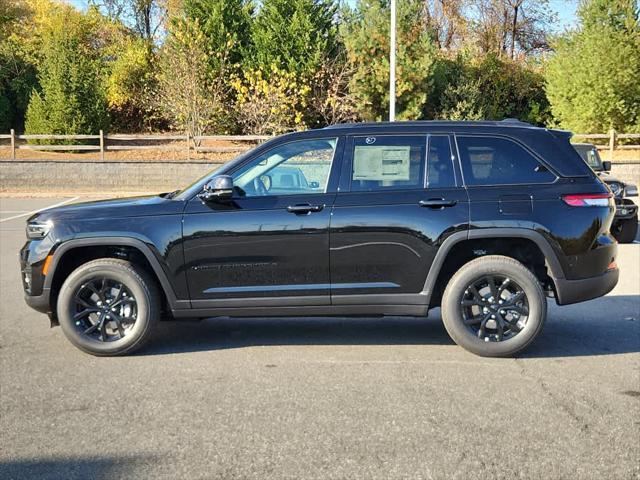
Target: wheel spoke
x=91, y=287
x=103, y=329
x=503, y=286
x=492, y=286
x=500, y=326
x=118, y=293
x=84, y=313
x=515, y=298
x=483, y=325
x=82, y=301
x=118, y=320
x=475, y=293
x=95, y=326
x=474, y=320
x=522, y=310
x=122, y=301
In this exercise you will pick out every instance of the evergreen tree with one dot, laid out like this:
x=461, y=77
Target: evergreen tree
x=226, y=25
x=294, y=35
x=71, y=98
x=366, y=37
x=593, y=80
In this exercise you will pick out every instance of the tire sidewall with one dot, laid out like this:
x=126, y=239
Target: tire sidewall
x=452, y=309
x=113, y=272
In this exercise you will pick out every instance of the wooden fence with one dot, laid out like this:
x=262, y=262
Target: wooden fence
x=114, y=142
x=189, y=144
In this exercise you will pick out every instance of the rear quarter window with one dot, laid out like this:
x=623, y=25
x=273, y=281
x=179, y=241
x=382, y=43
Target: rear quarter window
x=499, y=161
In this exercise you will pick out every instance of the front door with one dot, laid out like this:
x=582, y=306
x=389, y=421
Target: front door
x=391, y=215
x=270, y=242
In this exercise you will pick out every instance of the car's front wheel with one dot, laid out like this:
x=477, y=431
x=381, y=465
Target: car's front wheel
x=108, y=307
x=494, y=306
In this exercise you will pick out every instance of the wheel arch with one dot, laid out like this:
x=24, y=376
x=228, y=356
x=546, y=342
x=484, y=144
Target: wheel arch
x=433, y=279
x=66, y=249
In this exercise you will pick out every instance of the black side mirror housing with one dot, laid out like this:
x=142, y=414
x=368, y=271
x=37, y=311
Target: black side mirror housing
x=219, y=187
x=606, y=165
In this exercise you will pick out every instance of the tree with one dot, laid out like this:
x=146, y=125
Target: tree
x=145, y=17
x=592, y=79
x=71, y=97
x=17, y=72
x=188, y=94
x=506, y=27
x=294, y=35
x=226, y=25
x=366, y=37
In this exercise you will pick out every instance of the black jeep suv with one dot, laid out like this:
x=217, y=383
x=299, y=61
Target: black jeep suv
x=484, y=219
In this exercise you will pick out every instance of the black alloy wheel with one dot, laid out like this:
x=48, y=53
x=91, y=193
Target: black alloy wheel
x=105, y=309
x=495, y=308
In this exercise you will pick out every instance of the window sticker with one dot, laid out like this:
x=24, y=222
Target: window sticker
x=381, y=163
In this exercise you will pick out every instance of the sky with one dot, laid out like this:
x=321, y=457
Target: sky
x=566, y=10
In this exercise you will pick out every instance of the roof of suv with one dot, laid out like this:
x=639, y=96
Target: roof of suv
x=509, y=122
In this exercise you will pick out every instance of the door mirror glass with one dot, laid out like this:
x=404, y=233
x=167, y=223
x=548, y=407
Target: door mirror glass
x=218, y=188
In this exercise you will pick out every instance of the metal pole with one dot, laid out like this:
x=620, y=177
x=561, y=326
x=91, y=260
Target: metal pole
x=392, y=65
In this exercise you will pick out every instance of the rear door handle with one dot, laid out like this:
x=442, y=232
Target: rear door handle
x=437, y=203
x=304, y=208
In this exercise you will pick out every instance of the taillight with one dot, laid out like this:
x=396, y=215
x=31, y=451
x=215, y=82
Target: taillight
x=587, y=199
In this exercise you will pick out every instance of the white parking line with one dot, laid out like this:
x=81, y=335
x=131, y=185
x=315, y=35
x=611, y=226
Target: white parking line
x=39, y=209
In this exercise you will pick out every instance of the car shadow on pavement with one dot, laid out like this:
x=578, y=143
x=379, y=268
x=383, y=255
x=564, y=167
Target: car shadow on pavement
x=75, y=468
x=606, y=326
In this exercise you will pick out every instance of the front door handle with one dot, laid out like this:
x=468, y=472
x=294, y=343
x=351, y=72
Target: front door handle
x=304, y=208
x=438, y=203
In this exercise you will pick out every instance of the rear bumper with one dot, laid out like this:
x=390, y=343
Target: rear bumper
x=574, y=291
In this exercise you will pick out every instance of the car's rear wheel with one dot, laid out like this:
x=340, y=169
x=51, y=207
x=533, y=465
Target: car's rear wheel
x=108, y=307
x=494, y=306
x=626, y=230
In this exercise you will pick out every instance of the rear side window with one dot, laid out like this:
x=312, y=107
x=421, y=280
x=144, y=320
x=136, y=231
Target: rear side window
x=499, y=161
x=388, y=163
x=440, y=173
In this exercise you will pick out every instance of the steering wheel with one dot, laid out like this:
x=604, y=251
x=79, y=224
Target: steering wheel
x=259, y=187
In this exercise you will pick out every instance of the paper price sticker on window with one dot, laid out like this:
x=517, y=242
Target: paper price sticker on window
x=381, y=163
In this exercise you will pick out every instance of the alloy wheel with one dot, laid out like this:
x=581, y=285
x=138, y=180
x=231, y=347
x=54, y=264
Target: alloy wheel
x=104, y=309
x=494, y=308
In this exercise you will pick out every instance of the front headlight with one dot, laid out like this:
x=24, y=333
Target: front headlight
x=616, y=188
x=38, y=230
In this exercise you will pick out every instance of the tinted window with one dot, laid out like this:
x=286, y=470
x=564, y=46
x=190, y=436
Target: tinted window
x=290, y=169
x=388, y=163
x=440, y=163
x=499, y=161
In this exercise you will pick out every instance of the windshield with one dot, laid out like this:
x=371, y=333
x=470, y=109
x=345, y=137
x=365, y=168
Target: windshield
x=589, y=154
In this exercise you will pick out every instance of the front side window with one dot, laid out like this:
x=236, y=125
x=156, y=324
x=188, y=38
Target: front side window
x=388, y=163
x=293, y=168
x=499, y=161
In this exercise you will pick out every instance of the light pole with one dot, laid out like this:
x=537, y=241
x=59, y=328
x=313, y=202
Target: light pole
x=392, y=65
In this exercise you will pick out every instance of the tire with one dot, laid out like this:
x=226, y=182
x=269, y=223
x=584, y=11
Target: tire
x=138, y=316
x=626, y=230
x=455, y=314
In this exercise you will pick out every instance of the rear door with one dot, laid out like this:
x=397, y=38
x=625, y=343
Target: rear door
x=393, y=211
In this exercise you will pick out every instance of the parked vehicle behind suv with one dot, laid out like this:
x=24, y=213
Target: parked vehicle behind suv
x=482, y=219
x=625, y=222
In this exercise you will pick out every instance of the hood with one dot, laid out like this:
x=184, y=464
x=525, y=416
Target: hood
x=113, y=208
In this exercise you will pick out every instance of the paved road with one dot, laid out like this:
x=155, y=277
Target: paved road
x=324, y=398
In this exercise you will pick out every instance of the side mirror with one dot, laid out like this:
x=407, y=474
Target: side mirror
x=218, y=188
x=606, y=165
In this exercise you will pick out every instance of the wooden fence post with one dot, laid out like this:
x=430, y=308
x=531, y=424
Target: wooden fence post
x=101, y=146
x=188, y=148
x=612, y=142
x=13, y=144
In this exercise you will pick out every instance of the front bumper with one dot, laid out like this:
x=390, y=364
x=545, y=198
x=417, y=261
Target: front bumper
x=39, y=302
x=574, y=291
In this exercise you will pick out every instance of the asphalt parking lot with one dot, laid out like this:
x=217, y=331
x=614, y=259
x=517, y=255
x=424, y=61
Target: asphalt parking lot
x=320, y=398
